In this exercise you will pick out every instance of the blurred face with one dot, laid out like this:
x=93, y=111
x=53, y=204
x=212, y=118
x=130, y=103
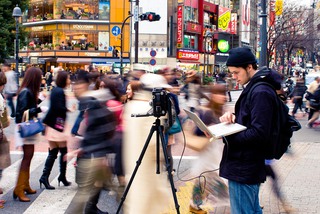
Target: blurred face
x=68, y=81
x=129, y=92
x=80, y=88
x=241, y=75
x=220, y=99
x=169, y=76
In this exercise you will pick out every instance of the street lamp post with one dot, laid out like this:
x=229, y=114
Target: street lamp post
x=17, y=14
x=121, y=46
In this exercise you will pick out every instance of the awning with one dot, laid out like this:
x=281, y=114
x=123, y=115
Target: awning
x=188, y=61
x=74, y=60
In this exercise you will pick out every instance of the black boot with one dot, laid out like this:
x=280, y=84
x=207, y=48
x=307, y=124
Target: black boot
x=48, y=167
x=91, y=206
x=63, y=168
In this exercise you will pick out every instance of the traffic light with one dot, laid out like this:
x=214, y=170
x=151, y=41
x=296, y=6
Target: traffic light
x=150, y=16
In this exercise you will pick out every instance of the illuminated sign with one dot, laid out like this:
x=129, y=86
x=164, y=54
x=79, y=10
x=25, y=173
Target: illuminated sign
x=37, y=28
x=180, y=26
x=223, y=46
x=82, y=27
x=187, y=54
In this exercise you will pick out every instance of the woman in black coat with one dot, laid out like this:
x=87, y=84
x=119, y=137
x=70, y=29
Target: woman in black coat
x=27, y=100
x=55, y=121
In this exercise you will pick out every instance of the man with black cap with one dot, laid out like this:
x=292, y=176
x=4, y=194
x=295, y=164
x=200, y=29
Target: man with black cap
x=243, y=161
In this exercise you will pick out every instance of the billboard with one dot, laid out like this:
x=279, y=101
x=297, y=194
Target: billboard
x=245, y=21
x=179, y=26
x=224, y=19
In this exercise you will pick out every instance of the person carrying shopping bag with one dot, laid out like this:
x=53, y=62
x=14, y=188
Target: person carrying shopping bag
x=27, y=101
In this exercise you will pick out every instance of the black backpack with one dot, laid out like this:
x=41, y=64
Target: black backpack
x=283, y=127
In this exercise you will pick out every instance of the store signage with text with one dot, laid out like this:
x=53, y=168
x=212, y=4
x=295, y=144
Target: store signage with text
x=37, y=28
x=187, y=54
x=180, y=26
x=193, y=28
x=82, y=27
x=224, y=19
x=233, y=23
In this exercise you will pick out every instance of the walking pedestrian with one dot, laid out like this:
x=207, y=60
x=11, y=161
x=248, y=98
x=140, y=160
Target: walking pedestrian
x=91, y=171
x=298, y=92
x=210, y=185
x=243, y=162
x=10, y=89
x=55, y=121
x=27, y=100
x=5, y=160
x=49, y=78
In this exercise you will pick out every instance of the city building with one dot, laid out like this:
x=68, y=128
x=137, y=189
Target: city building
x=74, y=34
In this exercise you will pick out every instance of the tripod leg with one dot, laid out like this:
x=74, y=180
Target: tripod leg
x=168, y=166
x=123, y=198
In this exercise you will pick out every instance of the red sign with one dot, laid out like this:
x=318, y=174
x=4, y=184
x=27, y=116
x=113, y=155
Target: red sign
x=180, y=26
x=193, y=28
x=187, y=54
x=233, y=23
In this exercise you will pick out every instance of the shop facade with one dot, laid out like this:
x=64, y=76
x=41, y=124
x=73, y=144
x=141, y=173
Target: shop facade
x=75, y=34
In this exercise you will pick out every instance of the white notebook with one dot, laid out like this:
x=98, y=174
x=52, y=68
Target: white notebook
x=217, y=130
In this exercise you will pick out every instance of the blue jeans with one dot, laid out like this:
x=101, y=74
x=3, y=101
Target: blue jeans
x=9, y=98
x=76, y=125
x=244, y=198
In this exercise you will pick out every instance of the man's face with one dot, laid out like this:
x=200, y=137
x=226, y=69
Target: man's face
x=5, y=68
x=241, y=75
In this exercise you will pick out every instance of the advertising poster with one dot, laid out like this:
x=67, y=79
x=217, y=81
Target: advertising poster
x=180, y=26
x=104, y=9
x=245, y=21
x=103, y=41
x=224, y=19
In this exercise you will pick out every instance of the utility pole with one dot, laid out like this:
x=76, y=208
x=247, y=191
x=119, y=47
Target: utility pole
x=136, y=35
x=263, y=34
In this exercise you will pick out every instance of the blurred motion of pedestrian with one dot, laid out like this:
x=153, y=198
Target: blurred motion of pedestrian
x=11, y=88
x=28, y=99
x=92, y=170
x=193, y=83
x=5, y=160
x=210, y=188
x=55, y=131
x=146, y=182
x=116, y=106
x=298, y=92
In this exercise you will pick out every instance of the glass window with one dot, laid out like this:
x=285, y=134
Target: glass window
x=190, y=41
x=191, y=14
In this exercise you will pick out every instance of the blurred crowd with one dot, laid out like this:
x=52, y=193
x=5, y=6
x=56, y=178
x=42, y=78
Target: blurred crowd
x=107, y=131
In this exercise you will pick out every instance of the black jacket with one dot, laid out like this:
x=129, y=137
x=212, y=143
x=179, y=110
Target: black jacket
x=100, y=124
x=243, y=156
x=57, y=110
x=26, y=101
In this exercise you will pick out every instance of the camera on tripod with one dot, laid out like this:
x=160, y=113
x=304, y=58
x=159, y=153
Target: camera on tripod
x=162, y=104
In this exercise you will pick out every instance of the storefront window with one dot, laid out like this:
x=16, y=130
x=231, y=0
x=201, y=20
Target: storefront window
x=190, y=41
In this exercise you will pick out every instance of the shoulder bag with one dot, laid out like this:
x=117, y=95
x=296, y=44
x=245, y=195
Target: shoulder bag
x=30, y=127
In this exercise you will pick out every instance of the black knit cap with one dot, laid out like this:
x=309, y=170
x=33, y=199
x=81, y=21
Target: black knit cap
x=240, y=56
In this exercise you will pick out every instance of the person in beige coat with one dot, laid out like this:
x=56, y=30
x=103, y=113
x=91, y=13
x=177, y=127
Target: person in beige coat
x=149, y=192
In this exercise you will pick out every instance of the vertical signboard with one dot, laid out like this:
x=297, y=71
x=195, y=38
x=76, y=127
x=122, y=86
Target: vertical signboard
x=233, y=23
x=180, y=26
x=224, y=19
x=245, y=21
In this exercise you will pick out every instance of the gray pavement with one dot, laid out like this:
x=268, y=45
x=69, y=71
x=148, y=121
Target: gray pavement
x=299, y=175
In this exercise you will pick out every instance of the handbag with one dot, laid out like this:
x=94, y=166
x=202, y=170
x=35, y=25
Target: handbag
x=4, y=119
x=30, y=127
x=314, y=104
x=175, y=128
x=59, y=125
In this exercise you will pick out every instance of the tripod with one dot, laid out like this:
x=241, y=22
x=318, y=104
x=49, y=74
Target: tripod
x=156, y=127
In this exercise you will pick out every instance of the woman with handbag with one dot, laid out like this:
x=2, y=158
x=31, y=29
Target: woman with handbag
x=4, y=143
x=27, y=101
x=55, y=121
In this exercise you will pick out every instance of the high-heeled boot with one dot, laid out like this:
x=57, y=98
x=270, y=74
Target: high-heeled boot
x=63, y=168
x=27, y=187
x=44, y=179
x=18, y=191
